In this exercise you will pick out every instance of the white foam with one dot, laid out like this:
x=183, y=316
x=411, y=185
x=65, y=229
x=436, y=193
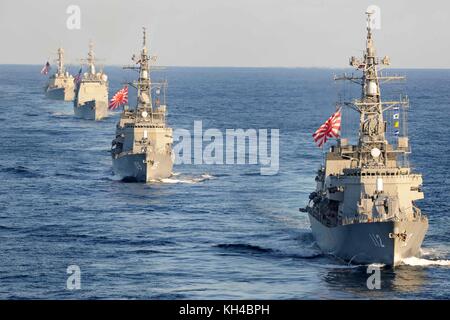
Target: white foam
x=192, y=180
x=377, y=265
x=60, y=114
x=171, y=180
x=414, y=261
x=435, y=253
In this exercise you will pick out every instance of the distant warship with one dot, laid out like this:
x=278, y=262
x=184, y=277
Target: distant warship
x=61, y=84
x=91, y=93
x=363, y=209
x=142, y=148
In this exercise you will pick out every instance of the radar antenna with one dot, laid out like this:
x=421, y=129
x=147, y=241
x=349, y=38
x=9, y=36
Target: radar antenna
x=372, y=126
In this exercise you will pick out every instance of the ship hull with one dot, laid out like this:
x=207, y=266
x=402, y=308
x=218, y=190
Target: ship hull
x=91, y=110
x=373, y=242
x=65, y=94
x=143, y=167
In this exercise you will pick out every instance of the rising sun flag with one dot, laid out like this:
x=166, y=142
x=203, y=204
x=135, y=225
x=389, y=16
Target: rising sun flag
x=121, y=97
x=330, y=129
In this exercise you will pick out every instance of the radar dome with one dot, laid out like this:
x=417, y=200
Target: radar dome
x=375, y=152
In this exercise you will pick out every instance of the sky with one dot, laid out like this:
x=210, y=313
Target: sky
x=237, y=33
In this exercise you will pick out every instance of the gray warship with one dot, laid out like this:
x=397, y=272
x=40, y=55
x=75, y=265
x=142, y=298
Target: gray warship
x=142, y=148
x=91, y=93
x=61, y=84
x=363, y=209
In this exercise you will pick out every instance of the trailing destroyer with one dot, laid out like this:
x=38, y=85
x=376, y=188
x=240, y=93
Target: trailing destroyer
x=91, y=93
x=61, y=84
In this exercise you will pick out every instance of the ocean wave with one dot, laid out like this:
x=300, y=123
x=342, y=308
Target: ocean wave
x=21, y=171
x=301, y=253
x=306, y=237
x=61, y=114
x=435, y=253
x=245, y=248
x=132, y=242
x=145, y=251
x=66, y=175
x=8, y=228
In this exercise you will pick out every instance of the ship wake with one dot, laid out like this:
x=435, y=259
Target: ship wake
x=251, y=249
x=429, y=257
x=188, y=180
x=414, y=261
x=61, y=114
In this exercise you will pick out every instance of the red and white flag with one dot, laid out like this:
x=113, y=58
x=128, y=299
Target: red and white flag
x=330, y=129
x=121, y=97
x=46, y=68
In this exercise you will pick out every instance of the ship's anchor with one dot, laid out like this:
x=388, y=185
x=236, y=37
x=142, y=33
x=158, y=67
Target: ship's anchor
x=402, y=236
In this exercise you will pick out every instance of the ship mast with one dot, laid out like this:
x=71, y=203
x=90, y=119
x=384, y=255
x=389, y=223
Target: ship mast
x=60, y=61
x=91, y=58
x=143, y=84
x=372, y=126
x=371, y=112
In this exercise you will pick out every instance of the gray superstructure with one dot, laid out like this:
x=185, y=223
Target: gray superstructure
x=363, y=209
x=142, y=148
x=61, y=84
x=91, y=93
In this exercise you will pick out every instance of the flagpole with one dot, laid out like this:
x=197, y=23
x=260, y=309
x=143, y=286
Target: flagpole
x=323, y=155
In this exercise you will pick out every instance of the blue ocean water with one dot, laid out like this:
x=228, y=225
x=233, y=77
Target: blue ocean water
x=212, y=231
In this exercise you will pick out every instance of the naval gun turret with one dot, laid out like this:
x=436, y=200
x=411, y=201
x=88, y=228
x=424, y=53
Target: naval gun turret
x=364, y=207
x=61, y=84
x=142, y=148
x=91, y=92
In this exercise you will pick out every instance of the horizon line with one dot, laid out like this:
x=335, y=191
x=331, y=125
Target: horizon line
x=237, y=67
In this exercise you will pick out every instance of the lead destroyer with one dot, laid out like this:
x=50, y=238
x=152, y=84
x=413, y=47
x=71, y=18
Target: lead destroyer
x=142, y=149
x=61, y=85
x=91, y=93
x=363, y=209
